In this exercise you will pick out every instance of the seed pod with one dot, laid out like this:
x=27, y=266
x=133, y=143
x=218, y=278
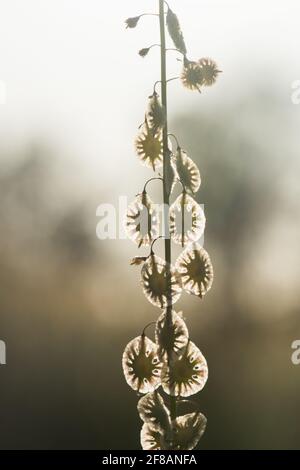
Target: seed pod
x=191, y=75
x=149, y=147
x=141, y=365
x=152, y=439
x=185, y=203
x=153, y=411
x=171, y=334
x=187, y=432
x=209, y=71
x=175, y=31
x=186, y=375
x=189, y=429
x=161, y=284
x=156, y=115
x=141, y=231
x=187, y=171
x=196, y=270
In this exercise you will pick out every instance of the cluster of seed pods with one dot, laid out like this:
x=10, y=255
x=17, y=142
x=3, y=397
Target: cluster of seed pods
x=170, y=365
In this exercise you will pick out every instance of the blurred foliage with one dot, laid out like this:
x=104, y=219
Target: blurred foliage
x=64, y=296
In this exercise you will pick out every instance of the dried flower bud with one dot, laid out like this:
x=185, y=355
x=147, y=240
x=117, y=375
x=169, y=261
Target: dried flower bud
x=132, y=22
x=175, y=31
x=209, y=70
x=143, y=52
x=138, y=260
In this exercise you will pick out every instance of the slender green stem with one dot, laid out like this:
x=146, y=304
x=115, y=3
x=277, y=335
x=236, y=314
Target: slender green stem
x=166, y=172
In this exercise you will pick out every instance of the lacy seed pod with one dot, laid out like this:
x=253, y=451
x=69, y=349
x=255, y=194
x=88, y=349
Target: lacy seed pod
x=161, y=284
x=187, y=171
x=141, y=365
x=149, y=147
x=196, y=270
x=156, y=115
x=171, y=334
x=152, y=439
x=209, y=70
x=189, y=429
x=175, y=31
x=185, y=203
x=153, y=411
x=187, y=432
x=141, y=223
x=185, y=375
x=191, y=75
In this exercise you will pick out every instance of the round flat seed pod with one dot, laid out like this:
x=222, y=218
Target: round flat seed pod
x=189, y=429
x=161, y=284
x=141, y=222
x=153, y=411
x=171, y=334
x=141, y=365
x=187, y=374
x=187, y=171
x=156, y=115
x=209, y=70
x=149, y=147
x=151, y=439
x=187, y=432
x=196, y=270
x=191, y=75
x=188, y=233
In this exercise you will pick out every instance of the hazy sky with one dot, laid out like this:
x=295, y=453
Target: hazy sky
x=73, y=75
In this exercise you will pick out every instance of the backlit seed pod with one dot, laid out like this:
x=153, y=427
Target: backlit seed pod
x=171, y=334
x=209, y=70
x=141, y=365
x=189, y=429
x=153, y=411
x=170, y=175
x=191, y=75
x=152, y=439
x=196, y=270
x=156, y=115
x=188, y=233
x=141, y=223
x=187, y=171
x=175, y=31
x=149, y=147
x=187, y=432
x=185, y=375
x=161, y=284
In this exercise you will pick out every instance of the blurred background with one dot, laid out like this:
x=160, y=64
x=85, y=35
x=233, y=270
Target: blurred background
x=76, y=91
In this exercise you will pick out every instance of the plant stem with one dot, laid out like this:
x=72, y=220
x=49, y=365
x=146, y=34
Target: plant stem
x=166, y=173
